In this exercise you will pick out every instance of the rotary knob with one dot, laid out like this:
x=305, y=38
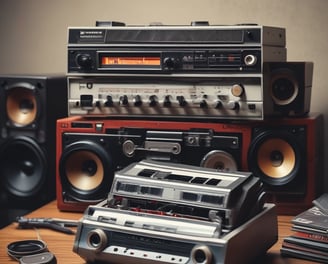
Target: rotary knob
x=170, y=63
x=152, y=100
x=84, y=61
x=124, y=100
x=237, y=90
x=232, y=105
x=137, y=100
x=167, y=101
x=182, y=101
x=109, y=101
x=203, y=104
x=218, y=105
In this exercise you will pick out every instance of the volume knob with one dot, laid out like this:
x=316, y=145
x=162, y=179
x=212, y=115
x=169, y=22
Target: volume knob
x=170, y=63
x=84, y=61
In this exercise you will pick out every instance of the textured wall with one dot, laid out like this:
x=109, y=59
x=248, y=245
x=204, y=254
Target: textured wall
x=33, y=32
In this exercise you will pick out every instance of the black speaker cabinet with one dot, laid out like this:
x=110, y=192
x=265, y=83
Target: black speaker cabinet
x=29, y=108
x=287, y=87
x=286, y=153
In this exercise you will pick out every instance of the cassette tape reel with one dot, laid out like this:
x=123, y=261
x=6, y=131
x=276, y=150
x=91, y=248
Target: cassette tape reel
x=89, y=151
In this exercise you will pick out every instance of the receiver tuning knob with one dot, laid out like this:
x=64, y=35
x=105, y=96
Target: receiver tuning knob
x=84, y=61
x=170, y=63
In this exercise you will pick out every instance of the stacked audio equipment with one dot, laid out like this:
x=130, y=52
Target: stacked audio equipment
x=221, y=97
x=29, y=108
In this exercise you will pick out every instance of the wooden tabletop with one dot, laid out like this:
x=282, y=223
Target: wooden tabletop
x=61, y=244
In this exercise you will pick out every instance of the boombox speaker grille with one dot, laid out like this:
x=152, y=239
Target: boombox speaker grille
x=86, y=171
x=275, y=156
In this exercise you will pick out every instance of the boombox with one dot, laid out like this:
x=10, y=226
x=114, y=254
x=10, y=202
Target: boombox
x=28, y=112
x=90, y=151
x=284, y=153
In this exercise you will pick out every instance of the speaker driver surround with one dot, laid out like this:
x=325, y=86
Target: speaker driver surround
x=275, y=157
x=22, y=166
x=86, y=171
x=284, y=87
x=22, y=105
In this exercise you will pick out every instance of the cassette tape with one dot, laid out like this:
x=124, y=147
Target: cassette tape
x=188, y=191
x=118, y=236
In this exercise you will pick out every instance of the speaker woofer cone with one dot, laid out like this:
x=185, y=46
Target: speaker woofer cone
x=22, y=105
x=275, y=158
x=284, y=87
x=23, y=166
x=86, y=171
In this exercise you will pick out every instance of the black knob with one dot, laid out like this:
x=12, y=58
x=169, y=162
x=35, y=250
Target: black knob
x=167, y=101
x=218, y=105
x=182, y=101
x=137, y=100
x=124, y=100
x=84, y=61
x=170, y=63
x=232, y=105
x=109, y=101
x=203, y=104
x=152, y=100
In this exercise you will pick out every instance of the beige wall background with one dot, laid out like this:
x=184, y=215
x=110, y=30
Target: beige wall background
x=33, y=33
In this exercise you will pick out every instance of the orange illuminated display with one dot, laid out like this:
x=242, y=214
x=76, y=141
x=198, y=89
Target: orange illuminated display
x=131, y=61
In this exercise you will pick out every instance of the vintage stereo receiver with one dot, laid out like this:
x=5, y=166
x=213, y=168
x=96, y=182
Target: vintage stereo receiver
x=120, y=49
x=284, y=89
x=285, y=153
x=89, y=151
x=168, y=234
x=228, y=198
